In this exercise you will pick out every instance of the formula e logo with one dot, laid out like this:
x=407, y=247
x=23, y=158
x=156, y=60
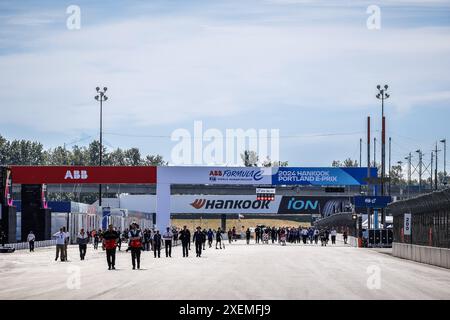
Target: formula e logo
x=198, y=203
x=76, y=175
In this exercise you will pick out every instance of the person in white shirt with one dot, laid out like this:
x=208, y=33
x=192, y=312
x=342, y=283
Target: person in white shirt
x=333, y=236
x=60, y=242
x=31, y=238
x=82, y=240
x=167, y=237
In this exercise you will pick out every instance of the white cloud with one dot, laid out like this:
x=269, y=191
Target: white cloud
x=166, y=70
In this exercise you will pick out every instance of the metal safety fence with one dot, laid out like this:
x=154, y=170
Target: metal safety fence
x=430, y=218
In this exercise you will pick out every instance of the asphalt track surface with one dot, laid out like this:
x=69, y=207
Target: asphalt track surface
x=239, y=272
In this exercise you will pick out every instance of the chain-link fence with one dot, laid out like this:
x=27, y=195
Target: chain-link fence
x=430, y=215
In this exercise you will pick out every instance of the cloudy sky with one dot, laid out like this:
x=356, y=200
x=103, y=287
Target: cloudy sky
x=306, y=67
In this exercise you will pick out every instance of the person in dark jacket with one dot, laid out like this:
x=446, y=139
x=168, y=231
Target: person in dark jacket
x=157, y=244
x=135, y=236
x=82, y=240
x=185, y=238
x=247, y=235
x=198, y=240
x=219, y=238
x=109, y=240
x=257, y=234
x=210, y=235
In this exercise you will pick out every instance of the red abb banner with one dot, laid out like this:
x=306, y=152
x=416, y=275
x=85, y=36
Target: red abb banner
x=82, y=174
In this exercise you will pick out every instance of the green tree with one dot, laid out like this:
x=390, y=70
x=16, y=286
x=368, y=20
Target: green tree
x=249, y=158
x=155, y=161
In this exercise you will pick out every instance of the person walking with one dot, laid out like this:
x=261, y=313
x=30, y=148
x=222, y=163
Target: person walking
x=345, y=236
x=31, y=238
x=168, y=236
x=60, y=241
x=82, y=240
x=66, y=242
x=247, y=235
x=316, y=236
x=135, y=237
x=198, y=240
x=219, y=238
x=273, y=234
x=119, y=240
x=210, y=235
x=333, y=234
x=96, y=239
x=230, y=236
x=157, y=244
x=204, y=238
x=109, y=241
x=146, y=240
x=185, y=238
x=257, y=234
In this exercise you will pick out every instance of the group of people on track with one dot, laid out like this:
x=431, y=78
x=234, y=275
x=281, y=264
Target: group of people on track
x=152, y=240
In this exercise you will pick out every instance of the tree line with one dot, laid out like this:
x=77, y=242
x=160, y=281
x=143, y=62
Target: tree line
x=26, y=152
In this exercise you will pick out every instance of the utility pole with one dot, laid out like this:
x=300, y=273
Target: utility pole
x=375, y=152
x=390, y=141
x=420, y=170
x=101, y=97
x=368, y=169
x=409, y=157
x=360, y=152
x=436, y=169
x=444, y=141
x=383, y=95
x=431, y=170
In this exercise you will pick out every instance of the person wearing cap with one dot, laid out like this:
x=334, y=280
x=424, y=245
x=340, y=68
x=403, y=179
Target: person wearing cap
x=109, y=241
x=31, y=238
x=167, y=236
x=157, y=244
x=198, y=240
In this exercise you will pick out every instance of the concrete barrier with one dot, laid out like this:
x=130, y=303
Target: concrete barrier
x=430, y=255
x=26, y=245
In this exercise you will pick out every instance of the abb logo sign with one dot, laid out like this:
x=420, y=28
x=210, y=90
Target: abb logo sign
x=83, y=174
x=76, y=175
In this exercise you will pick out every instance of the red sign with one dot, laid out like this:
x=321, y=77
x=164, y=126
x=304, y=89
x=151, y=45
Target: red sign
x=83, y=174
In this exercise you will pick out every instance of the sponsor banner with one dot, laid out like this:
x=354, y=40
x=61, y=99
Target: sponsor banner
x=244, y=204
x=316, y=205
x=407, y=224
x=83, y=174
x=321, y=176
x=215, y=175
x=222, y=204
x=372, y=201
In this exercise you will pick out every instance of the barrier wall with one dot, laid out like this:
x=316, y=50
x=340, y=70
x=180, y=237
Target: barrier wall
x=37, y=244
x=430, y=255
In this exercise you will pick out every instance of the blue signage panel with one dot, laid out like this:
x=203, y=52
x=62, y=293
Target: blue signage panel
x=372, y=201
x=322, y=176
x=106, y=213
